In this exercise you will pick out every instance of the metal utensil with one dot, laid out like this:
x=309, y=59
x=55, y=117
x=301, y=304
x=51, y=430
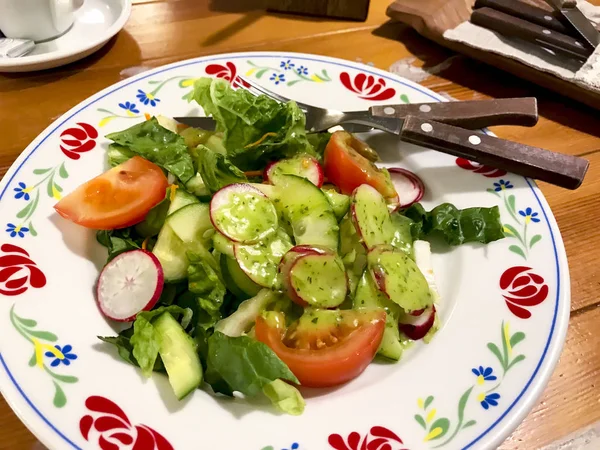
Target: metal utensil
x=562, y=170
x=509, y=25
x=568, y=9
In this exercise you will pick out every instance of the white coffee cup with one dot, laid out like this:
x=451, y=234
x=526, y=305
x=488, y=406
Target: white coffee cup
x=38, y=20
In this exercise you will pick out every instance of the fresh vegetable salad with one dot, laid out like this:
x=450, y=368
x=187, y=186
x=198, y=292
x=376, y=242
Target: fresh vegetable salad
x=260, y=258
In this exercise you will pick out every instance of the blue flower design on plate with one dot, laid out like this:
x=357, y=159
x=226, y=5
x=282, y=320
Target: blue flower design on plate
x=15, y=231
x=287, y=65
x=484, y=374
x=302, y=70
x=501, y=185
x=147, y=98
x=529, y=215
x=294, y=446
x=277, y=78
x=488, y=400
x=67, y=355
x=130, y=107
x=22, y=192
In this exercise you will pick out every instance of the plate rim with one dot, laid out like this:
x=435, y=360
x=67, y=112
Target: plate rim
x=506, y=423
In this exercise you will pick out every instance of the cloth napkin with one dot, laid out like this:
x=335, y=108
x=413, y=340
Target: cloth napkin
x=570, y=69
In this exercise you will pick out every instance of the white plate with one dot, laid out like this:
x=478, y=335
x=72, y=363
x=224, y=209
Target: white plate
x=95, y=23
x=504, y=311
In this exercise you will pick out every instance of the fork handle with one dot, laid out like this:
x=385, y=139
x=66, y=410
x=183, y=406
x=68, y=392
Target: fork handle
x=562, y=170
x=469, y=114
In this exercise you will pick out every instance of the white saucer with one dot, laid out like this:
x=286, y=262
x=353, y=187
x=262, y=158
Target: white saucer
x=95, y=23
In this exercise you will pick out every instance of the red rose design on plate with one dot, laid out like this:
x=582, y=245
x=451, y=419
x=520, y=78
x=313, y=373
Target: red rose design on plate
x=78, y=140
x=110, y=426
x=367, y=87
x=378, y=438
x=486, y=171
x=522, y=288
x=228, y=72
x=18, y=272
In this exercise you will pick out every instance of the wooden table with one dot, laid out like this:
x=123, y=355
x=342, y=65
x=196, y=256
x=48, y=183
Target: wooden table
x=161, y=32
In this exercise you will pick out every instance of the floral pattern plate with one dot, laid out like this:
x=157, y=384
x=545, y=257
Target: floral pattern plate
x=504, y=306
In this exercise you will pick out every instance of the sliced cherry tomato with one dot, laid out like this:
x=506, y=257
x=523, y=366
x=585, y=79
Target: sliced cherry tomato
x=324, y=348
x=347, y=168
x=118, y=198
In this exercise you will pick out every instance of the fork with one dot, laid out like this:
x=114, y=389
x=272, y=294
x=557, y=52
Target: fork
x=470, y=114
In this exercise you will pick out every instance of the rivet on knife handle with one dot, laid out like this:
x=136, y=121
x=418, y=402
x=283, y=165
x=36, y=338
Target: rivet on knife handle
x=469, y=114
x=556, y=168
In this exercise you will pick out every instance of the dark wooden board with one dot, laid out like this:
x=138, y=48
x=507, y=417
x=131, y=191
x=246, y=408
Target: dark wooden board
x=343, y=9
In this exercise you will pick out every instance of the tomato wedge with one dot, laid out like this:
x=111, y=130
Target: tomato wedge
x=347, y=168
x=324, y=348
x=120, y=197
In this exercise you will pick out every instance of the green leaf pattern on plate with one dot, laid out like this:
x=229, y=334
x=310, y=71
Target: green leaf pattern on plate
x=41, y=342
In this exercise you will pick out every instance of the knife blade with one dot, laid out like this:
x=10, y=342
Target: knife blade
x=577, y=19
x=209, y=124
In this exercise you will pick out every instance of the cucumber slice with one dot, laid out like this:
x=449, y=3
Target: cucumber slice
x=308, y=211
x=303, y=165
x=223, y=245
x=191, y=223
x=318, y=280
x=182, y=198
x=197, y=187
x=371, y=216
x=170, y=251
x=260, y=261
x=240, y=279
x=228, y=279
x=367, y=296
x=340, y=203
x=178, y=353
x=402, y=239
x=399, y=278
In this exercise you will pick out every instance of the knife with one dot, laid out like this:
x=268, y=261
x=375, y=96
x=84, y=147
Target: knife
x=522, y=10
x=566, y=171
x=209, y=124
x=467, y=114
x=509, y=25
x=568, y=9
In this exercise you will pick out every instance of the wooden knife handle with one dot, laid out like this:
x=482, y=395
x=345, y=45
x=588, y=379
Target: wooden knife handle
x=508, y=25
x=470, y=114
x=562, y=170
x=525, y=11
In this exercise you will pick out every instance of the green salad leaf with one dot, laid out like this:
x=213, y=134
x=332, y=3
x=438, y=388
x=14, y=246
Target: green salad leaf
x=254, y=129
x=285, y=397
x=456, y=226
x=155, y=218
x=157, y=144
x=245, y=364
x=216, y=170
x=117, y=154
x=145, y=341
x=119, y=241
x=319, y=141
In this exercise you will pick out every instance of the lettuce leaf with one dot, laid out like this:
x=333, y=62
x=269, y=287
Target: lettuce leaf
x=119, y=241
x=138, y=345
x=285, y=397
x=456, y=226
x=255, y=129
x=157, y=144
x=245, y=364
x=216, y=170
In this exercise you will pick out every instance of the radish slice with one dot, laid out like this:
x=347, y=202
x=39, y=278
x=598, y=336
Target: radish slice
x=422, y=252
x=243, y=213
x=410, y=188
x=288, y=261
x=417, y=326
x=130, y=283
x=317, y=280
x=371, y=217
x=304, y=166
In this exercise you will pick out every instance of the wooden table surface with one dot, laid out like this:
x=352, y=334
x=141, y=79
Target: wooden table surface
x=161, y=32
